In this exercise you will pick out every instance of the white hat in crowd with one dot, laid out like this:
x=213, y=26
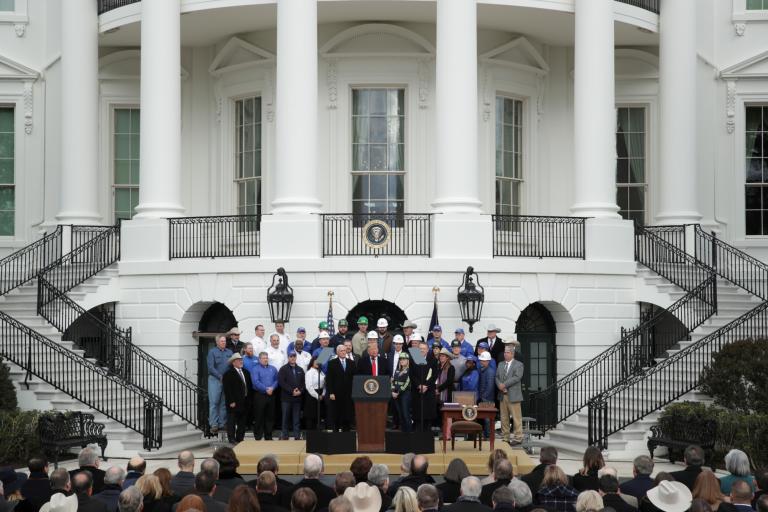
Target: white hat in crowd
x=671, y=496
x=364, y=497
x=382, y=322
x=373, y=335
x=485, y=356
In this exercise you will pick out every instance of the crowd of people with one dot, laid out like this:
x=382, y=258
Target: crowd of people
x=368, y=487
x=295, y=384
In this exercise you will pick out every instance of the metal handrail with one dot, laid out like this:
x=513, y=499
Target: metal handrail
x=672, y=378
x=539, y=236
x=136, y=408
x=220, y=236
x=410, y=234
x=19, y=267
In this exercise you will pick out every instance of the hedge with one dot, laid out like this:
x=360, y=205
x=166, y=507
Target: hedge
x=19, y=440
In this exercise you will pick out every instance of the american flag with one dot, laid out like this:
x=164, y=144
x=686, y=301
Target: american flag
x=331, y=328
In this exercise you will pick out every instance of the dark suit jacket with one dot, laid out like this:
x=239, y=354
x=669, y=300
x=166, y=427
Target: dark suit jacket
x=183, y=483
x=270, y=503
x=450, y=491
x=687, y=475
x=234, y=391
x=86, y=503
x=96, y=473
x=284, y=491
x=497, y=350
x=467, y=506
x=109, y=496
x=324, y=493
x=338, y=382
x=487, y=492
x=617, y=503
x=211, y=505
x=534, y=478
x=288, y=379
x=588, y=482
x=36, y=490
x=364, y=367
x=638, y=486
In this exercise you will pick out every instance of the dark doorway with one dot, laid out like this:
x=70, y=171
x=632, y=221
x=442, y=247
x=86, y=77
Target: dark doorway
x=535, y=331
x=666, y=332
x=375, y=309
x=217, y=319
x=91, y=332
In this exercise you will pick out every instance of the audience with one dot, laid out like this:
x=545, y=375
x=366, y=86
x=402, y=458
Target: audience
x=427, y=497
x=378, y=476
x=418, y=476
x=150, y=488
x=189, y=503
x=741, y=496
x=469, y=497
x=244, y=499
x=344, y=480
x=113, y=486
x=522, y=495
x=340, y=504
x=642, y=467
x=495, y=456
x=645, y=504
x=61, y=482
x=454, y=475
x=313, y=470
x=266, y=490
x=183, y=482
x=360, y=467
x=131, y=500
x=304, y=499
x=164, y=477
x=586, y=479
x=405, y=500
x=205, y=486
x=737, y=464
x=762, y=504
x=136, y=468
x=761, y=485
x=670, y=496
x=82, y=485
x=589, y=501
x=555, y=494
x=547, y=457
x=502, y=475
x=284, y=487
x=37, y=489
x=363, y=497
x=707, y=488
x=503, y=499
x=694, y=459
x=611, y=495
x=88, y=459
x=211, y=468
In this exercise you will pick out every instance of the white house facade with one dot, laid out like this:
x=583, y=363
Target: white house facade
x=600, y=164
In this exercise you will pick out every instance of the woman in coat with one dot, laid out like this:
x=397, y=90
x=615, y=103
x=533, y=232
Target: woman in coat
x=401, y=392
x=446, y=374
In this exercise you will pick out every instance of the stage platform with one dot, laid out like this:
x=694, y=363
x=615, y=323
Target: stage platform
x=290, y=455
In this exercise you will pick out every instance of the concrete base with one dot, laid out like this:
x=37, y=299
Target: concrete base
x=144, y=240
x=294, y=236
x=609, y=240
x=462, y=236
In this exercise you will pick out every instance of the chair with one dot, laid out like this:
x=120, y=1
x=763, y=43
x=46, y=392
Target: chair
x=467, y=427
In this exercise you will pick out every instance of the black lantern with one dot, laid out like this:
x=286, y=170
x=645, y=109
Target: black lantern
x=280, y=297
x=471, y=297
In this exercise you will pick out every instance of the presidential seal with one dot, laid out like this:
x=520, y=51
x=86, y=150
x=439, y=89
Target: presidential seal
x=371, y=386
x=469, y=413
x=376, y=233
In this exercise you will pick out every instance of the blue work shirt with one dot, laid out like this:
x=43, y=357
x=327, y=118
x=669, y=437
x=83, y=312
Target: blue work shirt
x=487, y=384
x=264, y=377
x=316, y=353
x=470, y=380
x=218, y=362
x=443, y=343
x=250, y=362
x=467, y=349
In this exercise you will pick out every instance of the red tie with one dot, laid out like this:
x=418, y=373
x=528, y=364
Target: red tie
x=373, y=365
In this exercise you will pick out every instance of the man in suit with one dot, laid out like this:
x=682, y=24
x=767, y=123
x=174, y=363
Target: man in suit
x=495, y=344
x=609, y=490
x=694, y=459
x=313, y=469
x=741, y=496
x=266, y=488
x=284, y=487
x=338, y=387
x=88, y=460
x=113, y=486
x=642, y=481
x=502, y=474
x=547, y=457
x=509, y=376
x=373, y=364
x=290, y=379
x=183, y=481
x=205, y=487
x=237, y=395
x=82, y=484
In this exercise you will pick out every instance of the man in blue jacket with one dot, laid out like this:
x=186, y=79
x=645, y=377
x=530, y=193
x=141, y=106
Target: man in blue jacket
x=218, y=364
x=264, y=378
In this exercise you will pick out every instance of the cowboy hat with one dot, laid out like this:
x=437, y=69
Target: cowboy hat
x=492, y=327
x=445, y=352
x=234, y=331
x=670, y=496
x=364, y=497
x=60, y=503
x=234, y=357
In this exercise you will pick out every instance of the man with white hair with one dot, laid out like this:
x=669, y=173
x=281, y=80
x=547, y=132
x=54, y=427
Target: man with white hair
x=130, y=500
x=469, y=500
x=378, y=476
x=88, y=460
x=338, y=389
x=642, y=467
x=113, y=486
x=184, y=481
x=218, y=363
x=313, y=470
x=521, y=493
x=277, y=356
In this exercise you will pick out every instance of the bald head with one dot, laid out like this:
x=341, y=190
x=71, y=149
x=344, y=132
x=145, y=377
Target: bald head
x=419, y=465
x=186, y=461
x=137, y=464
x=741, y=493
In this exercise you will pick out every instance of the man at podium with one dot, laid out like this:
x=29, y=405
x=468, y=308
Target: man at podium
x=372, y=363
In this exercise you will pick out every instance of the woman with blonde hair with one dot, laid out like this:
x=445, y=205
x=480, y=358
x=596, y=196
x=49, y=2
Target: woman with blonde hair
x=555, y=494
x=150, y=487
x=589, y=501
x=707, y=488
x=405, y=500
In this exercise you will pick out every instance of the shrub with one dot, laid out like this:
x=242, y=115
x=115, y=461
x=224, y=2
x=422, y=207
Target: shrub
x=737, y=378
x=20, y=439
x=7, y=391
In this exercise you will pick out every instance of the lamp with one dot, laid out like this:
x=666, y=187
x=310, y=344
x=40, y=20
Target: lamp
x=471, y=297
x=280, y=297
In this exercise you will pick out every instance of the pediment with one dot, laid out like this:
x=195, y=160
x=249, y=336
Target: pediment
x=377, y=39
x=125, y=65
x=238, y=54
x=636, y=64
x=518, y=53
x=753, y=67
x=12, y=70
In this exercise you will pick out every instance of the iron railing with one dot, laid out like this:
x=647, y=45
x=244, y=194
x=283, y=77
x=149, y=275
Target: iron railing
x=214, y=237
x=732, y=264
x=674, y=234
x=538, y=236
x=109, y=5
x=358, y=234
x=634, y=351
x=672, y=378
x=76, y=376
x=24, y=264
x=648, y=5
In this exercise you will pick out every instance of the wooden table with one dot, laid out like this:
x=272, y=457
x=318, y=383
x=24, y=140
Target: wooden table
x=453, y=412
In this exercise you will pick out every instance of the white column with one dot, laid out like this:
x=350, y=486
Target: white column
x=594, y=111
x=456, y=162
x=160, y=176
x=79, y=113
x=295, y=177
x=677, y=92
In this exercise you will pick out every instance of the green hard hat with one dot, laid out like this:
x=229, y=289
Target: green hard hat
x=342, y=323
x=323, y=325
x=362, y=320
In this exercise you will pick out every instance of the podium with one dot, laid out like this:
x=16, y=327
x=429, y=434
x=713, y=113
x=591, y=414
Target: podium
x=371, y=395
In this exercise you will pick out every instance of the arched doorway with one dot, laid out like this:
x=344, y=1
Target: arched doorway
x=90, y=332
x=375, y=309
x=217, y=319
x=665, y=333
x=536, y=332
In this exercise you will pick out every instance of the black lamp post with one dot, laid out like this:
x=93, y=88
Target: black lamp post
x=471, y=297
x=280, y=297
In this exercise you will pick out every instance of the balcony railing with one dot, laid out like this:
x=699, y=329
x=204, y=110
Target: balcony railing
x=108, y=5
x=214, y=237
x=529, y=236
x=377, y=234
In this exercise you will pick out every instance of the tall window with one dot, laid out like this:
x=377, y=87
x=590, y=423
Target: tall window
x=757, y=5
x=248, y=155
x=7, y=176
x=126, y=163
x=509, y=155
x=378, y=150
x=756, y=186
x=7, y=5
x=630, y=163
